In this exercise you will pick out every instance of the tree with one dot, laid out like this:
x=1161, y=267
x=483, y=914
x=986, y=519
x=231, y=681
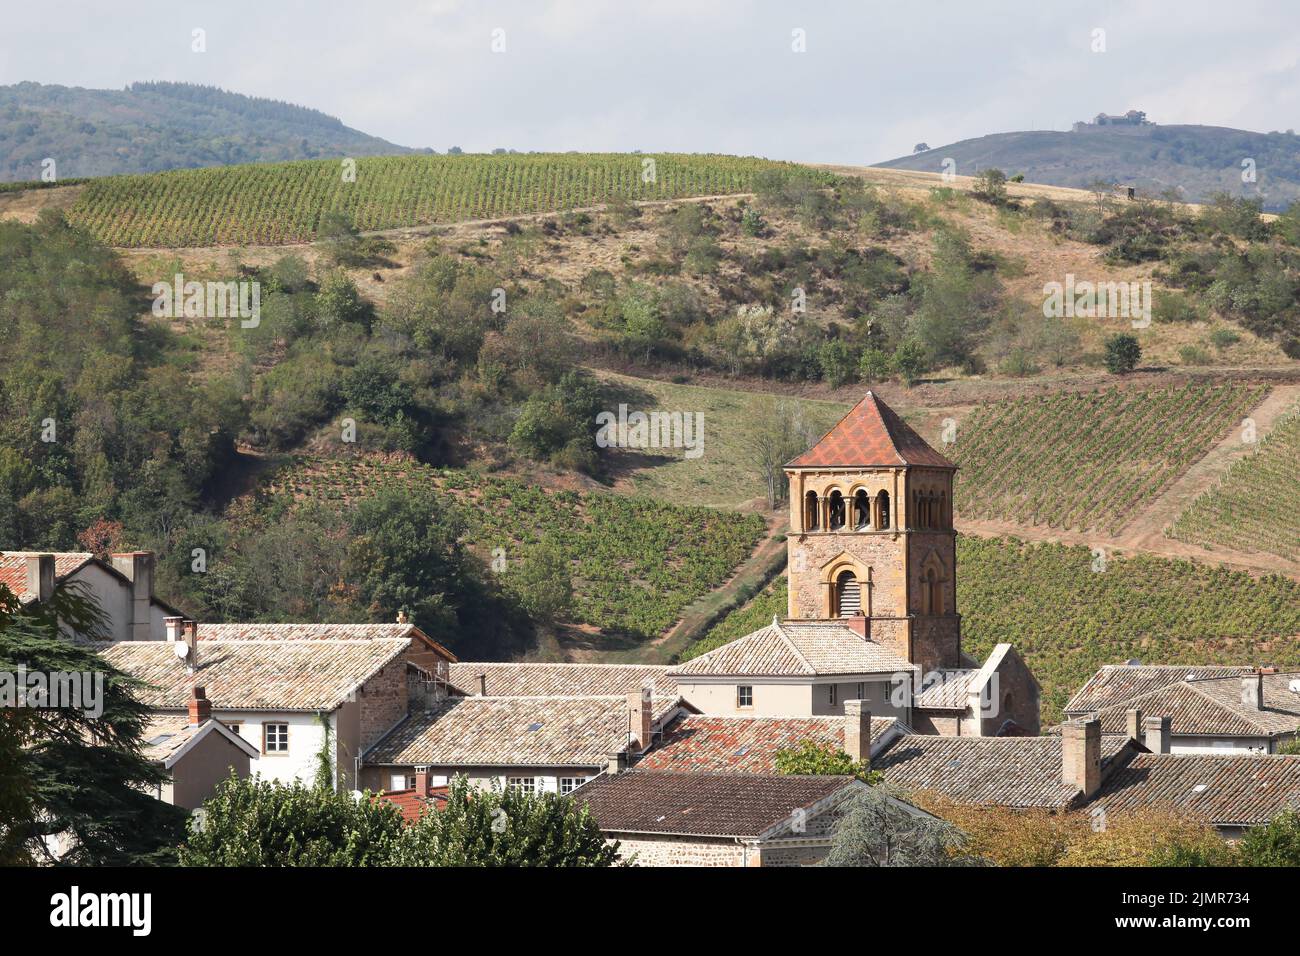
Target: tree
x=1277, y=844
x=810, y=758
x=879, y=829
x=1122, y=354
x=911, y=360
x=256, y=822
x=921, y=148
x=544, y=583
x=68, y=774
x=506, y=828
x=991, y=186
x=778, y=434
x=875, y=365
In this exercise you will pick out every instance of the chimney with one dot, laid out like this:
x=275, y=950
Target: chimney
x=482, y=685
x=1081, y=755
x=614, y=764
x=1252, y=690
x=137, y=567
x=1157, y=739
x=172, y=628
x=40, y=576
x=190, y=635
x=640, y=712
x=1134, y=725
x=857, y=730
x=857, y=624
x=200, y=706
x=422, y=780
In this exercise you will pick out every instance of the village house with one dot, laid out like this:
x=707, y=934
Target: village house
x=196, y=752
x=122, y=588
x=323, y=690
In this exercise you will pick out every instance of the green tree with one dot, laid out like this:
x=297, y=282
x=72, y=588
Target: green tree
x=1122, y=354
x=66, y=773
x=1277, y=844
x=838, y=362
x=991, y=186
x=506, y=828
x=911, y=360
x=875, y=365
x=878, y=829
x=256, y=822
x=543, y=583
x=810, y=758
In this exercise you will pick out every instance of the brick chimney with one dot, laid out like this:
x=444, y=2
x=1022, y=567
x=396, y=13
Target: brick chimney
x=1157, y=738
x=200, y=706
x=857, y=730
x=421, y=780
x=1252, y=690
x=482, y=685
x=857, y=623
x=640, y=718
x=1134, y=725
x=1081, y=755
x=137, y=567
x=40, y=576
x=172, y=628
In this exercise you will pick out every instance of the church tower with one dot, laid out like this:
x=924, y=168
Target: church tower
x=871, y=532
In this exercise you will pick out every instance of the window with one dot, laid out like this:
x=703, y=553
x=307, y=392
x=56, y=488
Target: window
x=861, y=510
x=275, y=738
x=744, y=696
x=401, y=781
x=848, y=594
x=522, y=784
x=862, y=690
x=233, y=726
x=570, y=784
x=836, y=511
x=810, y=511
x=932, y=593
x=831, y=694
x=882, y=510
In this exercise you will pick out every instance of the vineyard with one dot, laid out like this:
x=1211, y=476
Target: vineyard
x=1087, y=461
x=1254, y=506
x=636, y=563
x=270, y=204
x=1067, y=619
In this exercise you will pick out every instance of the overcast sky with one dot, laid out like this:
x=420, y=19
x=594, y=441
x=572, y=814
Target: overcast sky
x=877, y=76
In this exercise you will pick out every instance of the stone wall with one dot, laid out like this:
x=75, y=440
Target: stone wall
x=685, y=851
x=383, y=701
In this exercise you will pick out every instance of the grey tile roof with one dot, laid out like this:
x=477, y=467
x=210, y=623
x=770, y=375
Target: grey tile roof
x=561, y=680
x=165, y=735
x=1213, y=708
x=697, y=742
x=318, y=632
x=298, y=675
x=795, y=649
x=1227, y=791
x=999, y=771
x=1116, y=683
x=513, y=731
x=704, y=804
x=949, y=692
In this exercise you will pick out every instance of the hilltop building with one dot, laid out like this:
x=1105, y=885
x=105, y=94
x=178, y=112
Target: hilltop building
x=1131, y=118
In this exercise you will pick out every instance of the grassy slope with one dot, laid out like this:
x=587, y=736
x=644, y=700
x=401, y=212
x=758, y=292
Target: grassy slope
x=1067, y=618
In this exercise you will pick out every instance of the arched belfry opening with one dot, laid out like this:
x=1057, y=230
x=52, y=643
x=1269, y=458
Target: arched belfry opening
x=882, y=511
x=848, y=594
x=861, y=510
x=836, y=511
x=810, y=509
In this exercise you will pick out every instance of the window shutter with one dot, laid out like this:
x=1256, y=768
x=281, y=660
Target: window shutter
x=850, y=596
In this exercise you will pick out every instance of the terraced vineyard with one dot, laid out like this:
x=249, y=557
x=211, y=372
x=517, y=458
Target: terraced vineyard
x=273, y=203
x=636, y=562
x=1254, y=506
x=1089, y=460
x=1067, y=619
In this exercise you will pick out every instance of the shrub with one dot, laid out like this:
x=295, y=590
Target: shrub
x=875, y=365
x=838, y=362
x=1194, y=355
x=911, y=361
x=1122, y=354
x=810, y=759
x=1277, y=844
x=1224, y=338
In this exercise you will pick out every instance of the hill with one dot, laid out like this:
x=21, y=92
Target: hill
x=1198, y=161
x=149, y=127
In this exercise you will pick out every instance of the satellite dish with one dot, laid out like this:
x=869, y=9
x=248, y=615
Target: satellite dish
x=181, y=649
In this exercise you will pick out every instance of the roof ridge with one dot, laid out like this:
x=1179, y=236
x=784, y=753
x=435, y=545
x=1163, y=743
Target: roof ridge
x=780, y=630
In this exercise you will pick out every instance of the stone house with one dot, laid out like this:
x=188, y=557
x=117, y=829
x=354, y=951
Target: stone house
x=196, y=752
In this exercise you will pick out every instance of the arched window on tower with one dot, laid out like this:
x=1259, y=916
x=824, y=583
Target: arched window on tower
x=882, y=511
x=861, y=510
x=836, y=517
x=848, y=594
x=932, y=593
x=945, y=516
x=810, y=509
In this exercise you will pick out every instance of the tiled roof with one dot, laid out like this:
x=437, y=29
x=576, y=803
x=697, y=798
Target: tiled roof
x=870, y=434
x=949, y=691
x=513, y=731
x=411, y=804
x=1001, y=771
x=1213, y=708
x=795, y=649
x=165, y=735
x=704, y=804
x=561, y=680
x=743, y=744
x=1116, y=683
x=316, y=632
x=13, y=568
x=1244, y=790
x=256, y=675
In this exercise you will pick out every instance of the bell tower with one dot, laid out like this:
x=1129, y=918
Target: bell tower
x=871, y=532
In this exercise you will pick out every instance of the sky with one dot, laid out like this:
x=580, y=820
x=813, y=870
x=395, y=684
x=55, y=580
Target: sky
x=858, y=82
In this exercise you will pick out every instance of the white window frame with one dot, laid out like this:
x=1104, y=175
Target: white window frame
x=744, y=691
x=281, y=738
x=406, y=781
x=522, y=784
x=570, y=784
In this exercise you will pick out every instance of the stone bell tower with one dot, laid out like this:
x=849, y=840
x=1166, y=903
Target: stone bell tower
x=871, y=532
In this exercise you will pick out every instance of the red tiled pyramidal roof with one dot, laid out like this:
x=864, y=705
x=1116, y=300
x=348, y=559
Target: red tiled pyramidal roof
x=870, y=434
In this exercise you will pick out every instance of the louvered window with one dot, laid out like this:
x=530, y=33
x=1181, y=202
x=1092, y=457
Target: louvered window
x=849, y=594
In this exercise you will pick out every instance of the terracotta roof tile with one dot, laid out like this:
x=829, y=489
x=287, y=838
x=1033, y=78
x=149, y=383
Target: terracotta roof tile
x=561, y=680
x=870, y=434
x=1116, y=683
x=412, y=805
x=792, y=649
x=13, y=568
x=317, y=632
x=1213, y=708
x=1243, y=790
